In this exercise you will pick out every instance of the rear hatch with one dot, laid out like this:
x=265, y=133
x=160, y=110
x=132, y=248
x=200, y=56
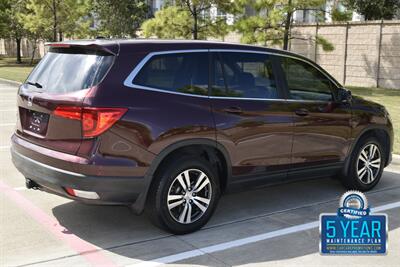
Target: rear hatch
x=50, y=101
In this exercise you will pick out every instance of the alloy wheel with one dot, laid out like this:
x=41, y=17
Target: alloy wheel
x=369, y=163
x=189, y=196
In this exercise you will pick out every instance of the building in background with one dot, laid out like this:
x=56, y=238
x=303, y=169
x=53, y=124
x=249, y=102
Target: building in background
x=312, y=16
x=155, y=5
x=300, y=16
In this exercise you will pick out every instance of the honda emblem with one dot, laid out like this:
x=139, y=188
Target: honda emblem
x=30, y=100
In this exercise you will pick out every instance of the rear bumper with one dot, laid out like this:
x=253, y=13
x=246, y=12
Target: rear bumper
x=111, y=190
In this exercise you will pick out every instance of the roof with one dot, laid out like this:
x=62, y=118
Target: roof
x=147, y=45
x=129, y=46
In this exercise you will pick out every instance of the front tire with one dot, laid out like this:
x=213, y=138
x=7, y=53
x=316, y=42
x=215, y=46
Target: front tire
x=184, y=196
x=366, y=166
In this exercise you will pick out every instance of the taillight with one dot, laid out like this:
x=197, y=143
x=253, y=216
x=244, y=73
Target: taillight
x=74, y=113
x=95, y=121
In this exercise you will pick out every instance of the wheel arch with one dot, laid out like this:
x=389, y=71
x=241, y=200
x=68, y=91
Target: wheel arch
x=215, y=152
x=381, y=133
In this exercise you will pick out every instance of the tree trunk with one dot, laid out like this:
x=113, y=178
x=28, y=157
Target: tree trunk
x=60, y=36
x=18, y=41
x=195, y=24
x=33, y=51
x=287, y=26
x=55, y=22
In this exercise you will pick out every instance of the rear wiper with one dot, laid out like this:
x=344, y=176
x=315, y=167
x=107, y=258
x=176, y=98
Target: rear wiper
x=36, y=84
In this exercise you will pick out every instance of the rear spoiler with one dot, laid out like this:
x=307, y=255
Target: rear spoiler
x=107, y=49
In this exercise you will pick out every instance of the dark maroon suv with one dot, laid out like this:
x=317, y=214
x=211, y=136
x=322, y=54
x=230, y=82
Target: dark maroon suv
x=167, y=126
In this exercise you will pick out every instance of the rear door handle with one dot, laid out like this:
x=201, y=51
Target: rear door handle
x=233, y=110
x=301, y=112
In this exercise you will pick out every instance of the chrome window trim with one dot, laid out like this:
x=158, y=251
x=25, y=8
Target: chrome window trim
x=128, y=82
x=248, y=98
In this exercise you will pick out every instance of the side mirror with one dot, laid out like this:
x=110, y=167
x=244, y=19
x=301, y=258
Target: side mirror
x=344, y=95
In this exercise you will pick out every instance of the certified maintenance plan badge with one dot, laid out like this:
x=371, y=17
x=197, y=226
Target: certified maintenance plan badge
x=353, y=230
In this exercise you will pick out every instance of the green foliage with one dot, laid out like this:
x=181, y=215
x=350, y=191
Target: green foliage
x=188, y=17
x=219, y=29
x=169, y=23
x=374, y=9
x=4, y=17
x=119, y=18
x=46, y=19
x=325, y=44
x=10, y=25
x=265, y=27
x=338, y=15
x=269, y=24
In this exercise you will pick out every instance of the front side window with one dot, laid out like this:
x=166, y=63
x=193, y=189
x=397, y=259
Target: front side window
x=305, y=82
x=181, y=72
x=244, y=75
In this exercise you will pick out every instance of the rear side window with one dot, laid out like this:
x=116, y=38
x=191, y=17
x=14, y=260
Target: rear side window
x=68, y=72
x=247, y=75
x=182, y=72
x=305, y=82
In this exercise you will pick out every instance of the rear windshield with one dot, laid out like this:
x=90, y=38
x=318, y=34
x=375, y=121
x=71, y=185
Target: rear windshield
x=68, y=72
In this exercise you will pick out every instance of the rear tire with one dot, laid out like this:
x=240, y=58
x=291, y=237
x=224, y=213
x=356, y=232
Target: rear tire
x=366, y=165
x=184, y=195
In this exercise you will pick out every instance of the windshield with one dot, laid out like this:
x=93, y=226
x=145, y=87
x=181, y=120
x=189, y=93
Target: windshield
x=68, y=72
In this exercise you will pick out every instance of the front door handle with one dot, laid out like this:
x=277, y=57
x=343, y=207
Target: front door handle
x=233, y=110
x=302, y=112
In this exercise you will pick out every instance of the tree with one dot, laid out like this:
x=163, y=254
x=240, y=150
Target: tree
x=374, y=9
x=119, y=18
x=10, y=25
x=169, y=23
x=273, y=20
x=341, y=15
x=193, y=13
x=56, y=18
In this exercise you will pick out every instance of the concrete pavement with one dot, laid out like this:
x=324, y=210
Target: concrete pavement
x=248, y=228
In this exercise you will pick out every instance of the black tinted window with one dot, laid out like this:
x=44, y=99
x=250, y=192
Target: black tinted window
x=247, y=75
x=67, y=72
x=305, y=82
x=184, y=73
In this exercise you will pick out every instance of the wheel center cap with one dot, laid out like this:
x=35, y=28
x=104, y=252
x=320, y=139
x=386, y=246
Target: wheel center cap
x=188, y=195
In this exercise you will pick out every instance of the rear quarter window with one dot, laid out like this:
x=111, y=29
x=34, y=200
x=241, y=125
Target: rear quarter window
x=178, y=72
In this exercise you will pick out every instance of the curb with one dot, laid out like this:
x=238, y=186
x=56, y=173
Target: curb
x=395, y=159
x=10, y=82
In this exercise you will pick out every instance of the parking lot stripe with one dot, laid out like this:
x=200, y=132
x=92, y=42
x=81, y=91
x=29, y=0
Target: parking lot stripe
x=4, y=147
x=7, y=124
x=91, y=253
x=244, y=241
x=21, y=188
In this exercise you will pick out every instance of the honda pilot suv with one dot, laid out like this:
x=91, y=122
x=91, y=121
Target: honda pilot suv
x=166, y=127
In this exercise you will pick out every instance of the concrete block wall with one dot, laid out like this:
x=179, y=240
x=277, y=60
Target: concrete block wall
x=365, y=54
x=8, y=48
